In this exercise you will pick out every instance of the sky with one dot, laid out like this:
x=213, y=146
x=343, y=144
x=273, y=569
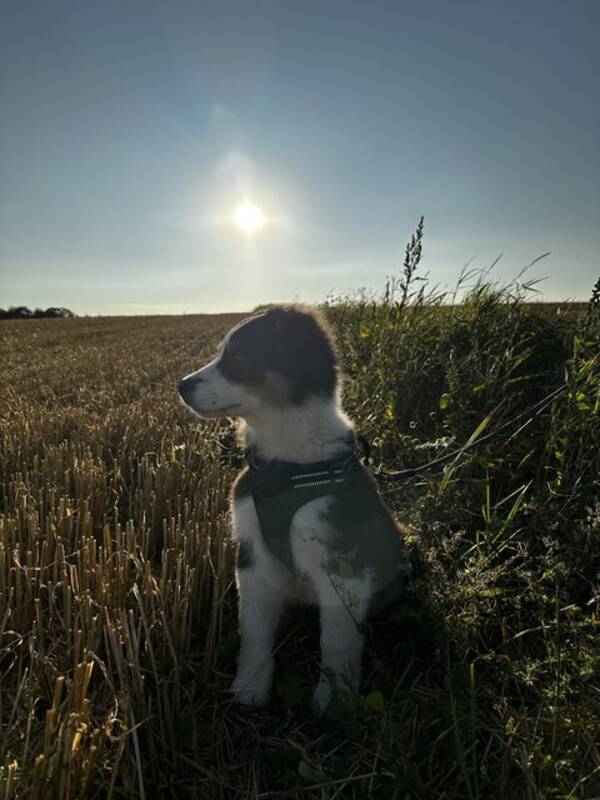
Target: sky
x=132, y=130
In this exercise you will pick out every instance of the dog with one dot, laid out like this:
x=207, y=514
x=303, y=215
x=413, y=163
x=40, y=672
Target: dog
x=307, y=517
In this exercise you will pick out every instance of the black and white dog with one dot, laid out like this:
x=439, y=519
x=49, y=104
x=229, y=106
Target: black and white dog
x=307, y=517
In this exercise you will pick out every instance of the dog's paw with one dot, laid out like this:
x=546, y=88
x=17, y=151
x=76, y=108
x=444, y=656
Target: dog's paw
x=250, y=697
x=248, y=694
x=321, y=698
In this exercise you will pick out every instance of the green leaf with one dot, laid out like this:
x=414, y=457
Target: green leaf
x=446, y=400
x=479, y=429
x=495, y=591
x=375, y=702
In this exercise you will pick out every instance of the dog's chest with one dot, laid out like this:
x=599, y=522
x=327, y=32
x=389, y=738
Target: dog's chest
x=263, y=513
x=279, y=488
x=274, y=558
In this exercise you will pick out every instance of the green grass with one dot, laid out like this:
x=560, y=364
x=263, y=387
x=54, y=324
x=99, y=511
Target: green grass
x=117, y=604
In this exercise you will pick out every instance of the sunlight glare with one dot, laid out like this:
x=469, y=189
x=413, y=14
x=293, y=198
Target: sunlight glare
x=249, y=218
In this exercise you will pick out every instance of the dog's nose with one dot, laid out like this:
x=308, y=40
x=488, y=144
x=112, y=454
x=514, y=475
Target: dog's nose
x=186, y=387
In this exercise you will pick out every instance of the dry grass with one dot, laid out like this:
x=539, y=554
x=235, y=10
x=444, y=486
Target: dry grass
x=114, y=558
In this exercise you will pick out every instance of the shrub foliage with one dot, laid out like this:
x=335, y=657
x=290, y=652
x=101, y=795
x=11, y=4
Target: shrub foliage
x=24, y=312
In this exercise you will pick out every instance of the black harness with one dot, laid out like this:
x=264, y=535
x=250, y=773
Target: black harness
x=279, y=488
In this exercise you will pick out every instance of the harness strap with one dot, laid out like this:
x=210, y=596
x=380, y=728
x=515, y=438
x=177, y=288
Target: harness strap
x=275, y=477
x=279, y=488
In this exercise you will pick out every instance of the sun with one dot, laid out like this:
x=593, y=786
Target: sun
x=249, y=218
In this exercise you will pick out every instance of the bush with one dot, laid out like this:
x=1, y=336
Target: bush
x=509, y=530
x=23, y=312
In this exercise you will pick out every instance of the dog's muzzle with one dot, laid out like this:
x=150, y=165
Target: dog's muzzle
x=186, y=389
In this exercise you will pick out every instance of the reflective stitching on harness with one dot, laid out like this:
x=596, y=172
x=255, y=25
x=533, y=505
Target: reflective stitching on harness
x=317, y=483
x=272, y=478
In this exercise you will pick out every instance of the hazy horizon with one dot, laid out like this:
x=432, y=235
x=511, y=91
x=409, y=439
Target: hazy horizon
x=131, y=134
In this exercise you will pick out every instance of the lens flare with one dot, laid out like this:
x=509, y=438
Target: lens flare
x=249, y=218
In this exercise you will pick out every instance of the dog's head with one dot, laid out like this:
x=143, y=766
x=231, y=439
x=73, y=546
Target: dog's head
x=279, y=358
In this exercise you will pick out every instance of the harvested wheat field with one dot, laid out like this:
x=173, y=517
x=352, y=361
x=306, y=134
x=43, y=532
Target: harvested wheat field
x=117, y=597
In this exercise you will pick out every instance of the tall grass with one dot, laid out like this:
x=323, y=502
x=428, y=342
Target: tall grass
x=117, y=605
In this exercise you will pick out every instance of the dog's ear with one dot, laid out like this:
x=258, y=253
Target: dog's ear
x=293, y=327
x=302, y=349
x=276, y=316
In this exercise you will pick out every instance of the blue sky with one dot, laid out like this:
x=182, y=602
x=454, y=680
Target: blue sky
x=131, y=130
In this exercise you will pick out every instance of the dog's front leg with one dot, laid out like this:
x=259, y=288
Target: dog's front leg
x=260, y=611
x=342, y=610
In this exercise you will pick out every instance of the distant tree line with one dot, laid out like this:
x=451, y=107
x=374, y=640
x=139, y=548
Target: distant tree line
x=23, y=312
